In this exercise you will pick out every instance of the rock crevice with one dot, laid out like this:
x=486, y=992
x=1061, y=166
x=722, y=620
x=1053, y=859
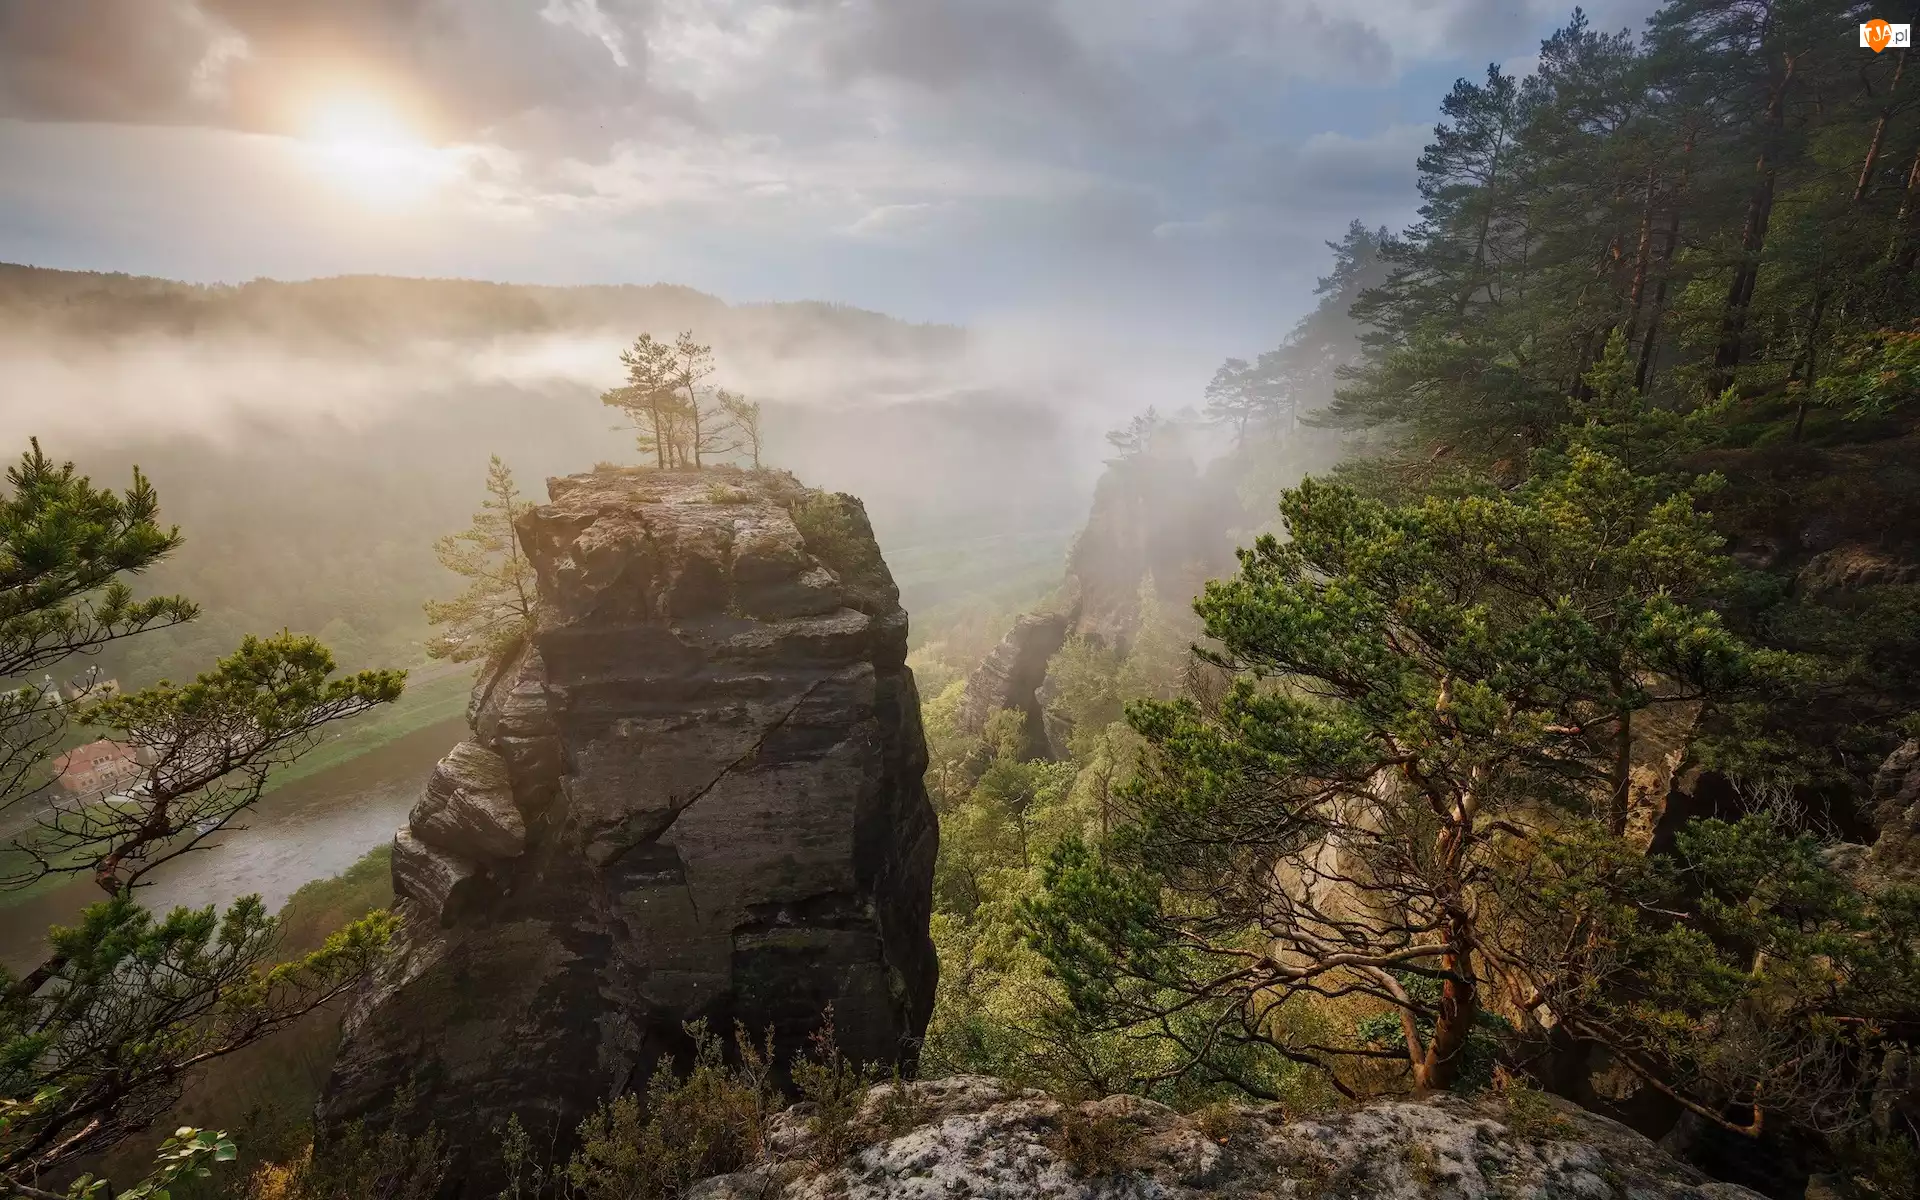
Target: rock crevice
x=1012, y=675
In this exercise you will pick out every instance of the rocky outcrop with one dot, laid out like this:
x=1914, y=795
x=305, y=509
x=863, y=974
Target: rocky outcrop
x=1850, y=568
x=1155, y=517
x=1896, y=812
x=469, y=808
x=1662, y=736
x=974, y=1137
x=694, y=794
x=1011, y=677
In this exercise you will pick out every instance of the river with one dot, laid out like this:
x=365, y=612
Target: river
x=312, y=828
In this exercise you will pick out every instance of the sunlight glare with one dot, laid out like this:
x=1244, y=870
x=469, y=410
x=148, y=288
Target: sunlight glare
x=364, y=146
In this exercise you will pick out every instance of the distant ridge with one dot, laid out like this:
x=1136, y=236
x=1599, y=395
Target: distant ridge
x=377, y=309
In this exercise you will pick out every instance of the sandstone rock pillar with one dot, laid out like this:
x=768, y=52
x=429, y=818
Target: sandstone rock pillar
x=694, y=794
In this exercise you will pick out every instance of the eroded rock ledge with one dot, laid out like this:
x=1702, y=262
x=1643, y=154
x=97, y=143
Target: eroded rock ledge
x=695, y=793
x=975, y=1137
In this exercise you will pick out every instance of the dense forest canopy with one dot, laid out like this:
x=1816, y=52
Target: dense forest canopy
x=1630, y=452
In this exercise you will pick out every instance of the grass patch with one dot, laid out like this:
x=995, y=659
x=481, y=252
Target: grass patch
x=1530, y=1114
x=423, y=704
x=324, y=905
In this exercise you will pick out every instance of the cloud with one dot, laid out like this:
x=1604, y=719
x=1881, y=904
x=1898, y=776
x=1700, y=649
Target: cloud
x=945, y=44
x=587, y=17
x=576, y=76
x=898, y=220
x=100, y=59
x=1336, y=171
x=934, y=157
x=1301, y=39
x=459, y=69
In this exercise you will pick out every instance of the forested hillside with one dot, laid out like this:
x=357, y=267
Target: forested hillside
x=1544, y=745
x=1706, y=235
x=383, y=312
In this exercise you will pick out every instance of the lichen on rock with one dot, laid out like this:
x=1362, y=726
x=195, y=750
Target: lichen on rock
x=982, y=1139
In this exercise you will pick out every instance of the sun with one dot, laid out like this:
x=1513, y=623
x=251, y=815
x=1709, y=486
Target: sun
x=361, y=143
x=358, y=119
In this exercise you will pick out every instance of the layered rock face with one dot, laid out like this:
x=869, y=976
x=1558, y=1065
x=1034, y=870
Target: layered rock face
x=694, y=794
x=1011, y=677
x=1896, y=812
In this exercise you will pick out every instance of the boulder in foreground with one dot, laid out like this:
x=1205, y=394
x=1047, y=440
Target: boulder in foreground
x=974, y=1137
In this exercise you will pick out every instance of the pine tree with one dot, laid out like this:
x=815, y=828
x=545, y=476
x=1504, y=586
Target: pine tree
x=496, y=610
x=1424, y=694
x=743, y=415
x=63, y=546
x=692, y=366
x=1729, y=192
x=649, y=399
x=677, y=417
x=97, y=1039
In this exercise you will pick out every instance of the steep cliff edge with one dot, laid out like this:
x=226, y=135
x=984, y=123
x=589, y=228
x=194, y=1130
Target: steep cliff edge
x=694, y=794
x=1157, y=530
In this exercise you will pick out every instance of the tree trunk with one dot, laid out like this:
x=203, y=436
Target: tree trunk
x=1622, y=776
x=1643, y=373
x=1486, y=228
x=1459, y=998
x=1753, y=237
x=1453, y=1023
x=1813, y=364
x=693, y=419
x=1903, y=240
x=1865, y=182
x=1643, y=253
x=659, y=433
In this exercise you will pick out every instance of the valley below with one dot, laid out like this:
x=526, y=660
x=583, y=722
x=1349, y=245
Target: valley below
x=308, y=829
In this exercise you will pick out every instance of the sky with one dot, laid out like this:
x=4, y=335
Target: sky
x=1166, y=168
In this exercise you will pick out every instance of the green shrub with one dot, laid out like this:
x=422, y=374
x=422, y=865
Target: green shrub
x=836, y=1086
x=359, y=1166
x=900, y=1109
x=835, y=529
x=710, y=1122
x=1220, y=1122
x=1094, y=1146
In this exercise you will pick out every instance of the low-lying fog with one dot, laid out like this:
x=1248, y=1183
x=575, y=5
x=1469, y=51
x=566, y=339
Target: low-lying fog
x=312, y=439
